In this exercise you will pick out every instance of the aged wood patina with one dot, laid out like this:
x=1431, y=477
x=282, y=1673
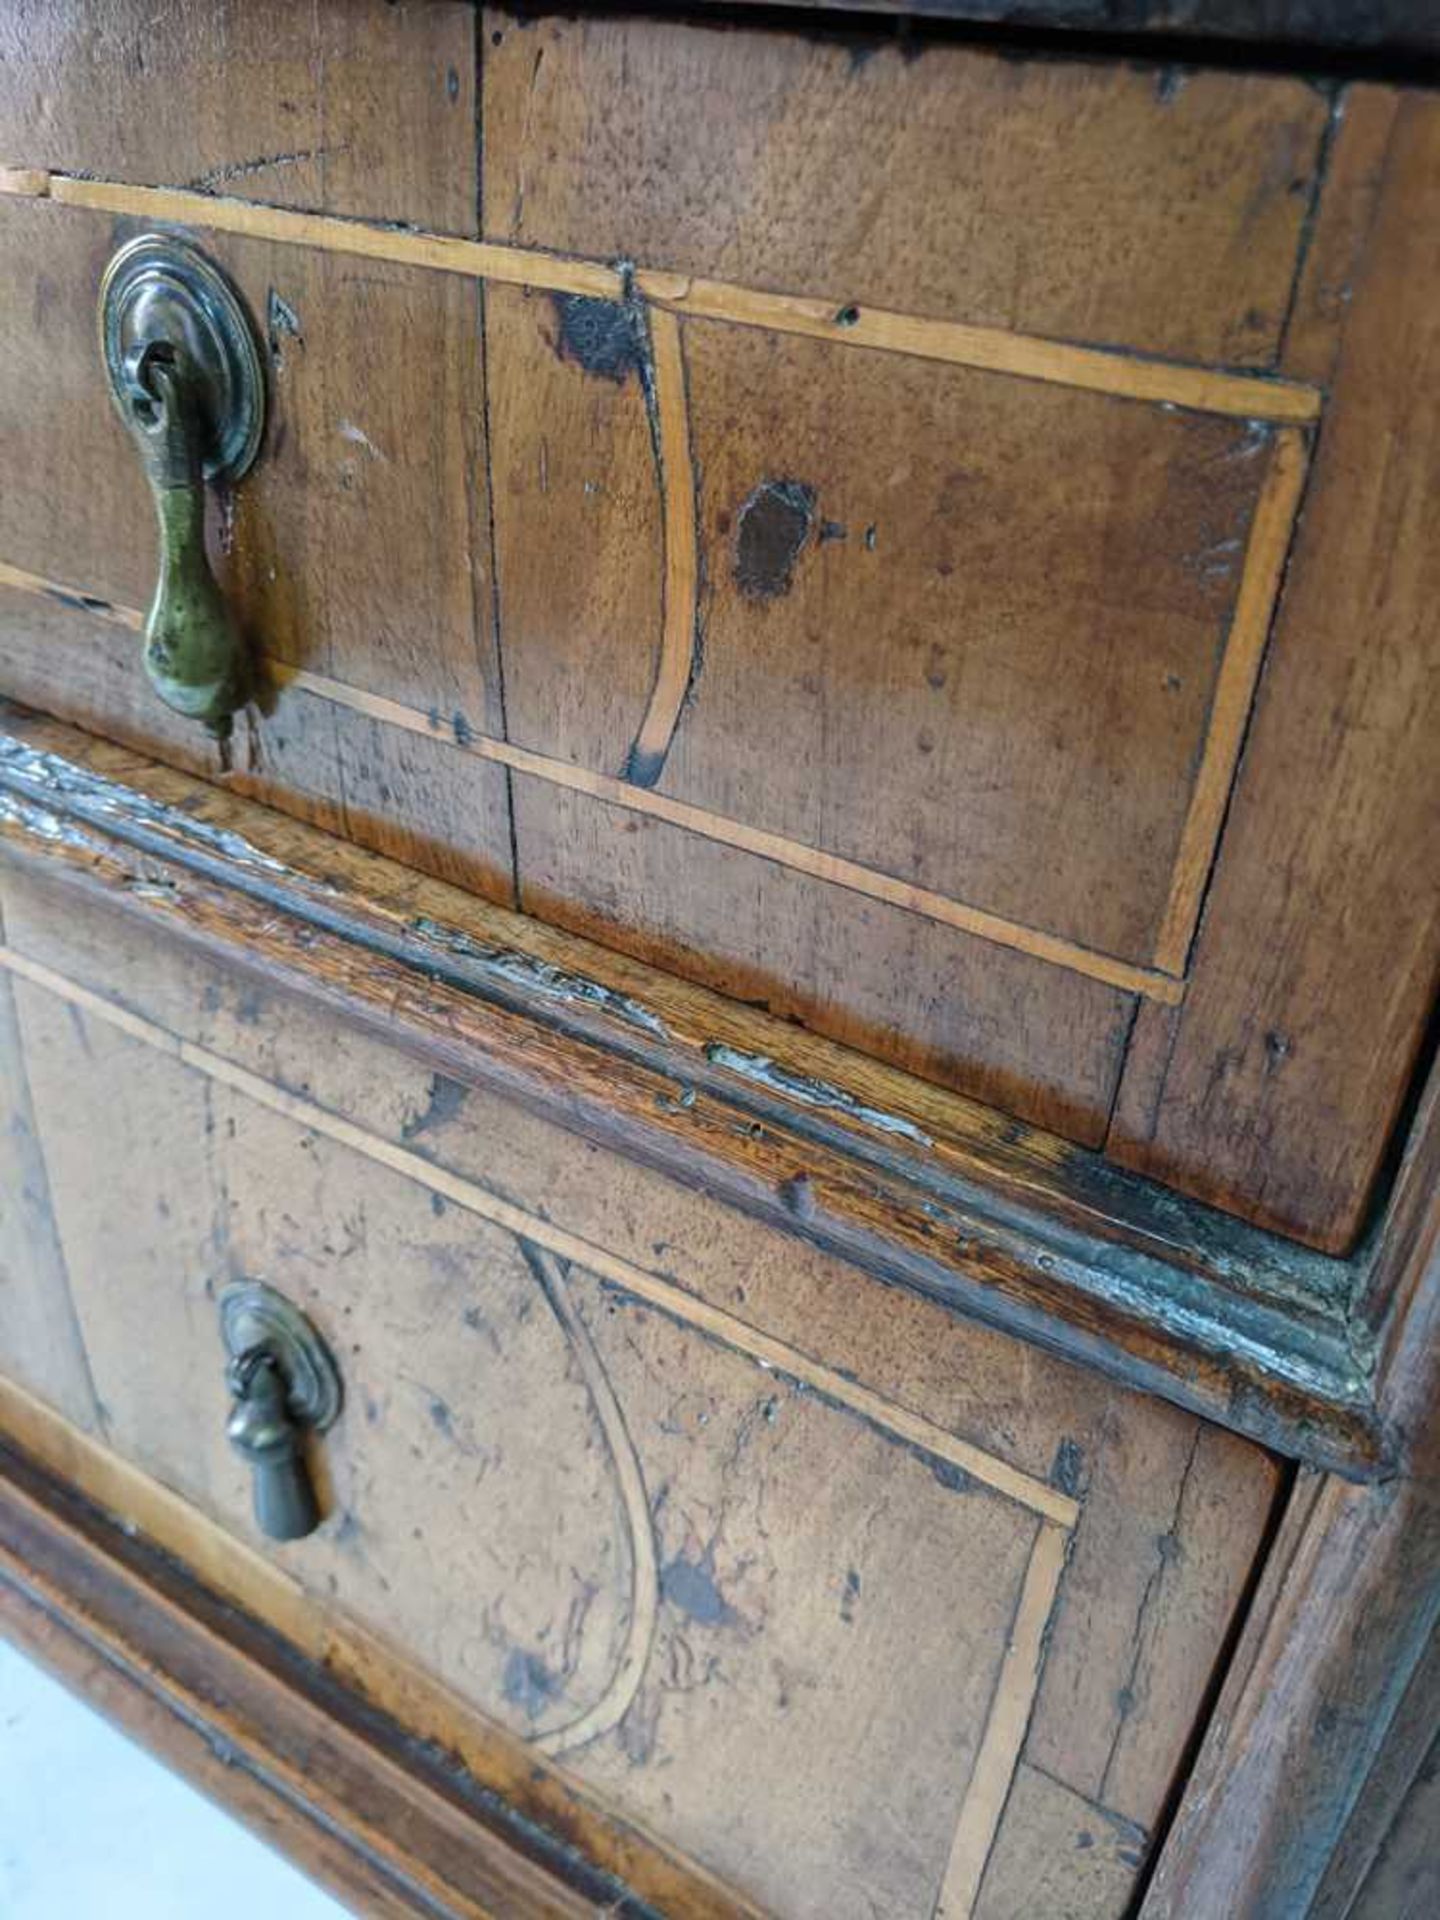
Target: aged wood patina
x=736, y=1214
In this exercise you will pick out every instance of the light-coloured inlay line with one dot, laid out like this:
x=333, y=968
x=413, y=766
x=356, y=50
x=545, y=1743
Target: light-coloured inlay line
x=23, y=581
x=605, y=787
x=775, y=1355
x=619, y=1695
x=991, y=349
x=1125, y=376
x=682, y=558
x=328, y=233
x=1234, y=693
x=775, y=847
x=1005, y=1729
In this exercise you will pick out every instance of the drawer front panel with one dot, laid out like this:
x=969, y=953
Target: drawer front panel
x=859, y=1607
x=813, y=518
x=961, y=656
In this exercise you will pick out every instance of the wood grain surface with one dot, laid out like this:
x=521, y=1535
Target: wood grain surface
x=496, y=1550
x=1314, y=973
x=1151, y=210
x=858, y=605
x=363, y=108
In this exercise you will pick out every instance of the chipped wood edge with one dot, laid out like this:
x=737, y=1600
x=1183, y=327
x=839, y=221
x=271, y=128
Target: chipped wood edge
x=1121, y=374
x=1264, y=569
x=682, y=560
x=1011, y=1483
x=1005, y=1727
x=499, y=1761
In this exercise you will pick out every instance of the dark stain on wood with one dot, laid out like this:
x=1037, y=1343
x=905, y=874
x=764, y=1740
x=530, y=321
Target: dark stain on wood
x=691, y=1586
x=954, y=1479
x=529, y=1684
x=446, y=1099
x=82, y=602
x=774, y=523
x=601, y=336
x=1067, y=1470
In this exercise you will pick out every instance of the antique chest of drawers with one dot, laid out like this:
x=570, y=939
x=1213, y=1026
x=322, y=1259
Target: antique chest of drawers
x=716, y=1193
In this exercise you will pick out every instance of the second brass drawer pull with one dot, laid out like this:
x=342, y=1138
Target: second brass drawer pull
x=284, y=1385
x=186, y=376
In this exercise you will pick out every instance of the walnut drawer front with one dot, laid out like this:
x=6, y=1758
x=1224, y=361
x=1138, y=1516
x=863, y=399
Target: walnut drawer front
x=857, y=1607
x=813, y=520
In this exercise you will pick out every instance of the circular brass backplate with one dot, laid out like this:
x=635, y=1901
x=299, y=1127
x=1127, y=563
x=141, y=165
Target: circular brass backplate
x=159, y=289
x=253, y=1315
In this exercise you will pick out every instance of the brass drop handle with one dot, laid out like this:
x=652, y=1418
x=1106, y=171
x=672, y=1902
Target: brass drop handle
x=284, y=1386
x=263, y=1432
x=187, y=379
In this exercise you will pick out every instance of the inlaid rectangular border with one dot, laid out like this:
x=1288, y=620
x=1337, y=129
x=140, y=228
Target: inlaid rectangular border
x=1288, y=406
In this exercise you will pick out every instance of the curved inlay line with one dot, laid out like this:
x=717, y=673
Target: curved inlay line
x=670, y=423
x=612, y=1706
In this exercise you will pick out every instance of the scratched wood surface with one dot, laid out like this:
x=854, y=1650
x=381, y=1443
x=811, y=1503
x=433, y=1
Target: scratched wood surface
x=354, y=106
x=790, y=1571
x=1106, y=202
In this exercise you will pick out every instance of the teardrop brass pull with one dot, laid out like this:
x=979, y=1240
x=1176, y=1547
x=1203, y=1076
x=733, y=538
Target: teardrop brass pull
x=263, y=1432
x=284, y=1385
x=187, y=378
